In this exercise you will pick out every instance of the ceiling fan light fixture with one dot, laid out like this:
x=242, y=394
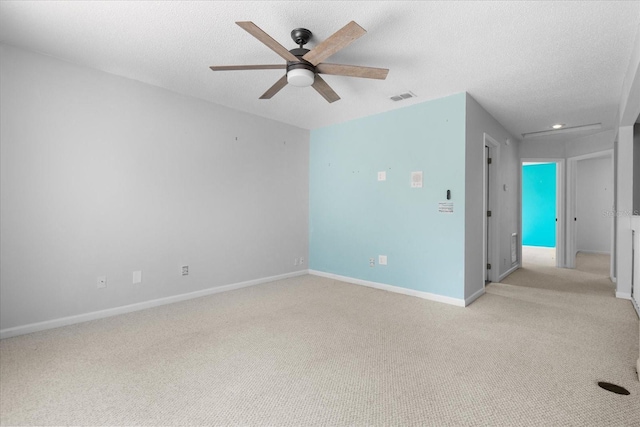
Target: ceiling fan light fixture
x=300, y=77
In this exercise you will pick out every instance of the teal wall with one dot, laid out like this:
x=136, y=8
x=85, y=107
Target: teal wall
x=354, y=217
x=539, y=205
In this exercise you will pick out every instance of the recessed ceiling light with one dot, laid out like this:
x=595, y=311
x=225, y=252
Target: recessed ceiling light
x=558, y=126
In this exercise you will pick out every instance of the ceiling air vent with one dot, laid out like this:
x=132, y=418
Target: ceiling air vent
x=402, y=96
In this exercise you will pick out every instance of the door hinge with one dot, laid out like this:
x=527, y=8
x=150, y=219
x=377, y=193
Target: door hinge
x=488, y=266
x=488, y=213
x=489, y=160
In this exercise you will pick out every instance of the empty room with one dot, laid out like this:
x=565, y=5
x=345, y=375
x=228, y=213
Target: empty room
x=319, y=213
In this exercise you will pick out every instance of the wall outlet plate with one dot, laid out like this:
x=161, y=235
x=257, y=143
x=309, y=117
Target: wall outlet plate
x=137, y=277
x=102, y=282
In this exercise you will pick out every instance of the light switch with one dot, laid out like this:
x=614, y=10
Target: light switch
x=137, y=277
x=382, y=260
x=382, y=176
x=416, y=179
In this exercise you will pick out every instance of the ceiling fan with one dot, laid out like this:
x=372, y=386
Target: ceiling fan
x=303, y=65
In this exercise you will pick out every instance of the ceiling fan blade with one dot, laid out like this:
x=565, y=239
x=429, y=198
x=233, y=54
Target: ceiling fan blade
x=248, y=67
x=265, y=38
x=324, y=89
x=352, y=71
x=338, y=40
x=275, y=88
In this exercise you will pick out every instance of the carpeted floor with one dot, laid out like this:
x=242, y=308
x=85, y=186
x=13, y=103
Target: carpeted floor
x=314, y=351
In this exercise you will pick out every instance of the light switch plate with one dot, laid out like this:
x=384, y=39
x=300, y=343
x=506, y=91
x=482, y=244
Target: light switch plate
x=382, y=260
x=416, y=179
x=137, y=277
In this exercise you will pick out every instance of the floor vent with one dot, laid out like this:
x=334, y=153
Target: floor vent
x=613, y=388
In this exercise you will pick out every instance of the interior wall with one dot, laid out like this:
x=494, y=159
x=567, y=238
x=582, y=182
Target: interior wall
x=505, y=167
x=629, y=110
x=539, y=205
x=355, y=217
x=102, y=175
x=594, y=205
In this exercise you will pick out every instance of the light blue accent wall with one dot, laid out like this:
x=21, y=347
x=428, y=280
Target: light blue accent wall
x=355, y=217
x=539, y=205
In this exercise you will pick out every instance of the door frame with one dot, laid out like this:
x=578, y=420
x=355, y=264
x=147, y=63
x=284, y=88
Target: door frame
x=491, y=248
x=560, y=208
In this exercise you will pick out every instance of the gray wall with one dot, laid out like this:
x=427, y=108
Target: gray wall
x=594, y=204
x=102, y=175
x=636, y=169
x=479, y=121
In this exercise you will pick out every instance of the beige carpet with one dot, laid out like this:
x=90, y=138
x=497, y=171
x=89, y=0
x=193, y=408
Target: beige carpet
x=314, y=351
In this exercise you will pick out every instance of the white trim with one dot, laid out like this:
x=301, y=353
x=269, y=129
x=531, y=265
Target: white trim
x=396, y=289
x=70, y=320
x=508, y=272
x=561, y=240
x=493, y=255
x=474, y=297
x=623, y=295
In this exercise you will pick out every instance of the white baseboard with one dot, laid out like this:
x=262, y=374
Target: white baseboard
x=70, y=320
x=623, y=295
x=474, y=297
x=383, y=286
x=508, y=272
x=594, y=252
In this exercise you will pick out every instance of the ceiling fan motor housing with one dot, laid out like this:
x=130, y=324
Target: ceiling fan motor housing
x=300, y=73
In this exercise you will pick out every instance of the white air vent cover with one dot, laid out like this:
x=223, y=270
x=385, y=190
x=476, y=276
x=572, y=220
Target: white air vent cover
x=514, y=248
x=402, y=96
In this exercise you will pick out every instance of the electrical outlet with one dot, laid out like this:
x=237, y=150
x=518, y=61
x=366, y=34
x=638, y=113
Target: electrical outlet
x=102, y=282
x=137, y=277
x=372, y=262
x=185, y=270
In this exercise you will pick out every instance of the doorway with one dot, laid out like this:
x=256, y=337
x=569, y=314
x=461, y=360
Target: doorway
x=591, y=200
x=542, y=206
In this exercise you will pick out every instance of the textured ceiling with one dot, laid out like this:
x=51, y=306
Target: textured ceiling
x=530, y=64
